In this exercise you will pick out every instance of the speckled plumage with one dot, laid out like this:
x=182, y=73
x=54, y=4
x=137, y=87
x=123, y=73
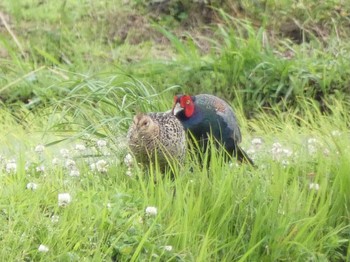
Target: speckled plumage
x=157, y=137
x=211, y=115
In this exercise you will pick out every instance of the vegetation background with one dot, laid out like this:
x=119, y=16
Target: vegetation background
x=73, y=73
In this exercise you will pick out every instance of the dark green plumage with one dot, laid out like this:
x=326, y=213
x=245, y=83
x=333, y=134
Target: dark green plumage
x=205, y=114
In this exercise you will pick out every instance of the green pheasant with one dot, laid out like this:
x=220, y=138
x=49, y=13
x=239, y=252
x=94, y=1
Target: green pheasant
x=204, y=115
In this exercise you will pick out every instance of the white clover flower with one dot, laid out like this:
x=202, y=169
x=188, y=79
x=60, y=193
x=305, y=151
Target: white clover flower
x=40, y=169
x=276, y=146
x=151, y=211
x=55, y=219
x=168, y=248
x=80, y=147
x=285, y=162
x=313, y=145
x=39, y=149
x=101, y=166
x=42, y=248
x=93, y=167
x=336, y=133
x=128, y=172
x=56, y=161
x=74, y=172
x=32, y=186
x=64, y=152
x=235, y=165
x=311, y=149
x=314, y=186
x=312, y=141
x=109, y=205
x=279, y=152
x=64, y=199
x=326, y=152
x=251, y=150
x=128, y=160
x=70, y=164
x=257, y=141
x=276, y=150
x=101, y=143
x=11, y=167
x=287, y=152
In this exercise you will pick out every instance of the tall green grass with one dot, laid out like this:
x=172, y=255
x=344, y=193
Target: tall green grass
x=249, y=64
x=223, y=213
x=65, y=84
x=249, y=60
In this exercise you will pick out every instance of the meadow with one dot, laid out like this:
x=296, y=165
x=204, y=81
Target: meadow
x=73, y=74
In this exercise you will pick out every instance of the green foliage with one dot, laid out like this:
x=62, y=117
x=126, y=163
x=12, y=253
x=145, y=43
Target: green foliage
x=274, y=56
x=226, y=212
x=245, y=63
x=75, y=72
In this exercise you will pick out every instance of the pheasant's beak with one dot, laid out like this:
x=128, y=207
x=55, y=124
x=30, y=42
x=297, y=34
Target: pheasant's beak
x=176, y=109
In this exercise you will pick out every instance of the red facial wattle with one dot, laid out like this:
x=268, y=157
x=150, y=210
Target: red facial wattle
x=187, y=104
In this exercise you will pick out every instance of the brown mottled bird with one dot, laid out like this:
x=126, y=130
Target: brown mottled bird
x=157, y=137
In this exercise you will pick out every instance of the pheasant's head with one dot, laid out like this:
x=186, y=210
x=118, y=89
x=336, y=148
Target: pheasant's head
x=183, y=103
x=145, y=126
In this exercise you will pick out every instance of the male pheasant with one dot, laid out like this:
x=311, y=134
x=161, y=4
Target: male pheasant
x=204, y=115
x=157, y=137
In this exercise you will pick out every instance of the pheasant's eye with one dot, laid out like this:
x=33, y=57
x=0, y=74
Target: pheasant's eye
x=145, y=123
x=185, y=101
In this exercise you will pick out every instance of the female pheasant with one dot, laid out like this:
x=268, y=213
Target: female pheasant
x=205, y=114
x=157, y=137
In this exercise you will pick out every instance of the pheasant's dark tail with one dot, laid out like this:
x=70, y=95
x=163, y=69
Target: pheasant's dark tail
x=243, y=157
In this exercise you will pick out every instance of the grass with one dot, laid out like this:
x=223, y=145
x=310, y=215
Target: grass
x=228, y=213
x=74, y=75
